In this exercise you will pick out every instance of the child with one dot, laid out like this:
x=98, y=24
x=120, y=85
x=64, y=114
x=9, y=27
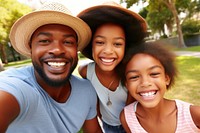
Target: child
x=114, y=28
x=149, y=72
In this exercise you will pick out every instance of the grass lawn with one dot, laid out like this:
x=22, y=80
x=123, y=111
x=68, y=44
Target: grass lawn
x=193, y=48
x=187, y=86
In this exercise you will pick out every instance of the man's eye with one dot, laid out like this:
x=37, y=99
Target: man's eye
x=69, y=42
x=44, y=41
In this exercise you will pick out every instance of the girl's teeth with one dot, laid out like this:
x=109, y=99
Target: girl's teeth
x=107, y=60
x=151, y=93
x=56, y=64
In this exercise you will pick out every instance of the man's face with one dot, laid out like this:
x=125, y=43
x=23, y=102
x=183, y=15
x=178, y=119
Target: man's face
x=54, y=54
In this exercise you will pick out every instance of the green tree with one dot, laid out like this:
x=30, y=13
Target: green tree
x=143, y=12
x=174, y=6
x=158, y=17
x=190, y=26
x=11, y=10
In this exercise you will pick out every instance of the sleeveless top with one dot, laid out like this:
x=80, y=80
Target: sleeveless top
x=185, y=123
x=110, y=114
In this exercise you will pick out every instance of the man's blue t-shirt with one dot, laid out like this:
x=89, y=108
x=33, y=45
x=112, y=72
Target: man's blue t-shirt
x=39, y=113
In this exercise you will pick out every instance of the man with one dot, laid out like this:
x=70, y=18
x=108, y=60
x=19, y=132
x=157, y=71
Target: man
x=46, y=97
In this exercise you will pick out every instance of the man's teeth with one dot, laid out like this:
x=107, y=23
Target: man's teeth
x=56, y=64
x=107, y=60
x=146, y=94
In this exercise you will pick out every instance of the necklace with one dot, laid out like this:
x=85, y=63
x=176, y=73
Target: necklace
x=109, y=103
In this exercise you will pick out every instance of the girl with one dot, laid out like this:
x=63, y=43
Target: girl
x=149, y=72
x=114, y=28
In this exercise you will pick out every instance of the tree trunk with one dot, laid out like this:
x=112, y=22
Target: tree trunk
x=171, y=5
x=1, y=65
x=3, y=54
x=179, y=29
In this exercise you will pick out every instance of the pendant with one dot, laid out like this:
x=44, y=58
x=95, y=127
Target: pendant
x=109, y=103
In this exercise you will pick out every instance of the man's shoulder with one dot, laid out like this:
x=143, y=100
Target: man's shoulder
x=78, y=79
x=80, y=82
x=21, y=73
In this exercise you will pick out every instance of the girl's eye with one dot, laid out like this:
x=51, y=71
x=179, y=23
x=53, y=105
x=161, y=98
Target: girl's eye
x=133, y=78
x=155, y=75
x=118, y=44
x=99, y=42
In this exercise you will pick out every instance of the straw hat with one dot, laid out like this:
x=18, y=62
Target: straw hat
x=135, y=26
x=49, y=13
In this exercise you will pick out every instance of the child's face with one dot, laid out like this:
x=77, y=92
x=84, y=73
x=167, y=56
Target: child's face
x=108, y=46
x=146, y=79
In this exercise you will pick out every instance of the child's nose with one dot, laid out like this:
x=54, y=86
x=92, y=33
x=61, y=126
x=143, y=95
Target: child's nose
x=146, y=82
x=108, y=48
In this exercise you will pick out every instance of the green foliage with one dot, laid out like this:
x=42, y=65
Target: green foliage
x=144, y=12
x=158, y=16
x=194, y=7
x=191, y=26
x=182, y=5
x=130, y=2
x=4, y=18
x=11, y=10
x=160, y=12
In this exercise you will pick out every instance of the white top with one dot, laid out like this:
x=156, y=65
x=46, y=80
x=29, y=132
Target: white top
x=110, y=114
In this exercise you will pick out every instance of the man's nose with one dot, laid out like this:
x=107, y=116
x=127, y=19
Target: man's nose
x=57, y=48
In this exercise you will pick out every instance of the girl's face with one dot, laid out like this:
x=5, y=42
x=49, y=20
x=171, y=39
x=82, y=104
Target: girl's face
x=108, y=46
x=146, y=79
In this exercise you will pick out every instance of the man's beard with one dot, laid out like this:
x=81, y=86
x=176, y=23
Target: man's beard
x=53, y=82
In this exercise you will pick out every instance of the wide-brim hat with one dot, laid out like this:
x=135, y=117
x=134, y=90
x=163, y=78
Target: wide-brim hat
x=110, y=12
x=49, y=13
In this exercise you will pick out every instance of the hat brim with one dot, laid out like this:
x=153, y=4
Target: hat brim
x=135, y=25
x=23, y=29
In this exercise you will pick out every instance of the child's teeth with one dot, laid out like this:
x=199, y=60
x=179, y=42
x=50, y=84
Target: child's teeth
x=151, y=93
x=107, y=60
